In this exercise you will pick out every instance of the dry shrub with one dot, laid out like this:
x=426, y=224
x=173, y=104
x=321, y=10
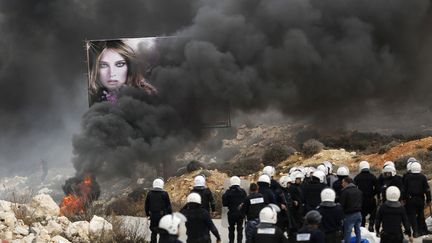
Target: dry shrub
x=311, y=147
x=385, y=148
x=276, y=154
x=131, y=235
x=126, y=206
x=242, y=167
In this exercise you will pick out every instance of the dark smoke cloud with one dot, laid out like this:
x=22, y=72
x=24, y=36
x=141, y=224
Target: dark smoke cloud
x=328, y=61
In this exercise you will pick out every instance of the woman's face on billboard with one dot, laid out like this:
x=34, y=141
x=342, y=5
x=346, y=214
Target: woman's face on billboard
x=112, y=69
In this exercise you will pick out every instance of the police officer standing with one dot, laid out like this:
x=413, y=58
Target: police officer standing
x=368, y=184
x=390, y=178
x=264, y=188
x=296, y=193
x=310, y=232
x=351, y=200
x=266, y=230
x=207, y=199
x=169, y=226
x=332, y=216
x=417, y=190
x=342, y=172
x=157, y=204
x=199, y=223
x=251, y=207
x=232, y=199
x=391, y=215
x=312, y=190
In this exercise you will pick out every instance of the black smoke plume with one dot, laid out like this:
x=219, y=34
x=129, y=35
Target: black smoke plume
x=327, y=61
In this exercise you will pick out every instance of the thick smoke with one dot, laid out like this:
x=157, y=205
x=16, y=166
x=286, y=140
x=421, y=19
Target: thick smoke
x=327, y=61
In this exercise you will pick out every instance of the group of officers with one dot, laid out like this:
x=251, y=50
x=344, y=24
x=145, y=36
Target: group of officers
x=307, y=205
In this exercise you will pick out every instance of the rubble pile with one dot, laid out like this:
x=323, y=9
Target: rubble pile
x=404, y=149
x=179, y=187
x=40, y=221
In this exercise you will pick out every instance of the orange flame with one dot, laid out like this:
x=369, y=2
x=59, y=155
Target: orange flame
x=73, y=204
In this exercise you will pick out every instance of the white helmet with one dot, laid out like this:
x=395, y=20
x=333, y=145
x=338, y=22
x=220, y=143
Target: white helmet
x=364, y=165
x=293, y=169
x=323, y=168
x=411, y=159
x=329, y=166
x=171, y=222
x=158, y=183
x=269, y=214
x=388, y=163
x=235, y=181
x=284, y=180
x=199, y=180
x=269, y=170
x=308, y=171
x=389, y=169
x=342, y=171
x=194, y=198
x=264, y=178
x=320, y=175
x=392, y=194
x=416, y=167
x=328, y=195
x=297, y=174
x=408, y=167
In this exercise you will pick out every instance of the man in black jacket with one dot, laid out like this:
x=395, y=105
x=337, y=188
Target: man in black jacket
x=417, y=190
x=207, y=199
x=392, y=215
x=232, y=199
x=332, y=216
x=199, y=223
x=312, y=190
x=368, y=184
x=251, y=207
x=157, y=204
x=351, y=201
x=266, y=230
x=310, y=232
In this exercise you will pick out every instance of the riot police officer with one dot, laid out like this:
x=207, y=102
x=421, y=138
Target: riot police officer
x=232, y=199
x=157, y=204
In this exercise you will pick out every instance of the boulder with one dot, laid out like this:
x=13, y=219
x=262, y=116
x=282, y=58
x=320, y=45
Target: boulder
x=21, y=230
x=78, y=231
x=100, y=229
x=59, y=239
x=8, y=218
x=43, y=205
x=53, y=227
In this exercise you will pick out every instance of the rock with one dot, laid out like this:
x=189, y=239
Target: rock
x=100, y=229
x=43, y=205
x=78, y=231
x=53, y=228
x=63, y=221
x=29, y=238
x=22, y=230
x=8, y=218
x=5, y=206
x=59, y=239
x=43, y=236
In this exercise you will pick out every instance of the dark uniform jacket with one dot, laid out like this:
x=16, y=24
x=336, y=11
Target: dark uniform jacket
x=384, y=183
x=308, y=234
x=266, y=191
x=367, y=183
x=252, y=205
x=232, y=199
x=167, y=238
x=392, y=215
x=199, y=223
x=207, y=199
x=416, y=185
x=332, y=217
x=312, y=193
x=266, y=233
x=157, y=202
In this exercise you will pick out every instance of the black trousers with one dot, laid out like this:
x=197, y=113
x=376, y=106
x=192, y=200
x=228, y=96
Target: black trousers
x=391, y=238
x=154, y=225
x=368, y=208
x=333, y=237
x=414, y=207
x=233, y=221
